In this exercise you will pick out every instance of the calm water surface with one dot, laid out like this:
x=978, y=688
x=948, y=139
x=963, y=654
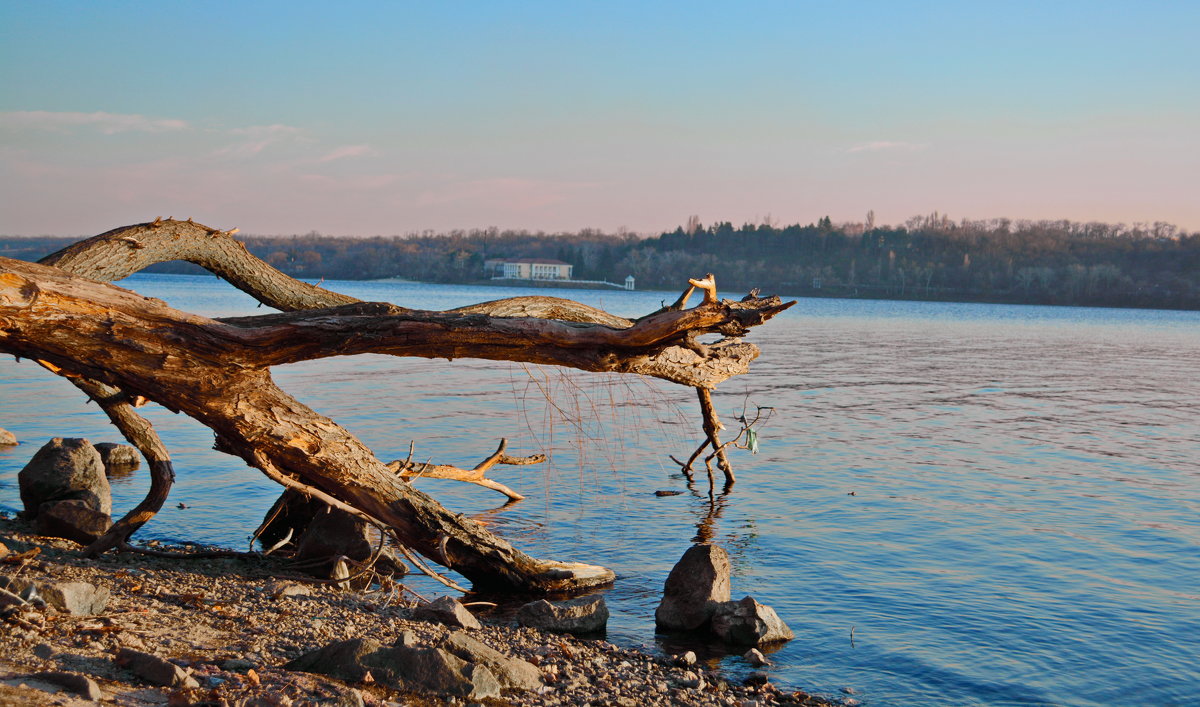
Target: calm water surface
x=953, y=503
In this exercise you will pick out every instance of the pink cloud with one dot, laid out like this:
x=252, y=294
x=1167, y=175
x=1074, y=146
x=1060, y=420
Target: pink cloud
x=344, y=152
x=106, y=123
x=259, y=138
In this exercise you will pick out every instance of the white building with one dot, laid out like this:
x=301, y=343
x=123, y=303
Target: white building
x=527, y=269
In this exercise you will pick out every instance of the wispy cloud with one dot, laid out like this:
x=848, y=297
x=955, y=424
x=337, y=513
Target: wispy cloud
x=106, y=123
x=344, y=152
x=887, y=145
x=257, y=138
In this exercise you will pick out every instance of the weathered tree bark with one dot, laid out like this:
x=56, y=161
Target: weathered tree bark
x=207, y=370
x=216, y=372
x=123, y=251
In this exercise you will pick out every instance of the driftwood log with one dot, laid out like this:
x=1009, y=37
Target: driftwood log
x=122, y=348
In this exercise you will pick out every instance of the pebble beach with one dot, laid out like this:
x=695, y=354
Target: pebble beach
x=222, y=631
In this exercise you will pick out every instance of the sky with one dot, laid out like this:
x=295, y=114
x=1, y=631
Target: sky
x=389, y=118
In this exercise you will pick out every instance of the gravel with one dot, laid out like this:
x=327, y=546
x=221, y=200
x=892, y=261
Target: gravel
x=230, y=624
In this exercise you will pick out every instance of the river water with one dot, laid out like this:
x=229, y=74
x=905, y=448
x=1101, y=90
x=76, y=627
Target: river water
x=952, y=504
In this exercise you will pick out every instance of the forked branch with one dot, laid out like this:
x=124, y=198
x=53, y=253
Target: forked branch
x=410, y=471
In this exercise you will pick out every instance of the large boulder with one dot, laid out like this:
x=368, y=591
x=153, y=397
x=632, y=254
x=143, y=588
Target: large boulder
x=65, y=469
x=343, y=660
x=404, y=667
x=73, y=520
x=694, y=588
x=511, y=672
x=747, y=622
x=583, y=615
x=437, y=671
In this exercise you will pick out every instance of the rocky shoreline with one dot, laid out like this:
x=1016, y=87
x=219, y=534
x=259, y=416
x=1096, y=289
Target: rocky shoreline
x=221, y=631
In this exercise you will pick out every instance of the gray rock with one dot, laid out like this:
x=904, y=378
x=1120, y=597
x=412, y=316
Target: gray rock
x=121, y=456
x=511, y=672
x=153, y=669
x=697, y=583
x=403, y=667
x=437, y=671
x=578, y=616
x=65, y=469
x=76, y=598
x=342, y=660
x=81, y=685
x=71, y=519
x=45, y=651
x=747, y=622
x=448, y=611
x=7, y=438
x=755, y=657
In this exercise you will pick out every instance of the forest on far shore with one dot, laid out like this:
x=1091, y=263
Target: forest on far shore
x=927, y=258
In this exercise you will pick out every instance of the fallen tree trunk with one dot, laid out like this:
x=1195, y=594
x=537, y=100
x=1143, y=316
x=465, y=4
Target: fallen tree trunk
x=193, y=365
x=217, y=371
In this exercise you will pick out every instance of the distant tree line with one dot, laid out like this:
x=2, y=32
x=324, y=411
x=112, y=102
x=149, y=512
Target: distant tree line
x=928, y=257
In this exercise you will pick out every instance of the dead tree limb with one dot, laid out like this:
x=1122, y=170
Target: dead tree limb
x=124, y=251
x=216, y=372
x=121, y=252
x=141, y=434
x=409, y=471
x=712, y=428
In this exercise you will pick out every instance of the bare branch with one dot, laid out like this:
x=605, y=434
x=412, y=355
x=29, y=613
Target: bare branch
x=409, y=471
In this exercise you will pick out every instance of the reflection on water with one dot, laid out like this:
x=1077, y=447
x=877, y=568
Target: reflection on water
x=953, y=504
x=120, y=472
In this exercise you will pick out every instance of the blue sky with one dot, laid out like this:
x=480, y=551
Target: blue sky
x=390, y=118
